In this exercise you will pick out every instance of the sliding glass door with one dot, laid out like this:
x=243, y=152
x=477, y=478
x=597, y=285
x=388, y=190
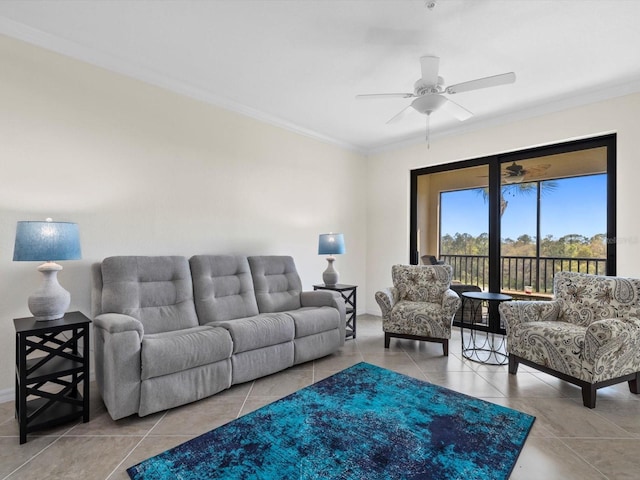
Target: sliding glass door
x=507, y=223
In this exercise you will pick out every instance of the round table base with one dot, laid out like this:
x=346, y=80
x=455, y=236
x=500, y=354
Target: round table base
x=484, y=347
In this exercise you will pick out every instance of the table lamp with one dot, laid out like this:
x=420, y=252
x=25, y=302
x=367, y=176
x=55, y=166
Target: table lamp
x=47, y=241
x=330, y=244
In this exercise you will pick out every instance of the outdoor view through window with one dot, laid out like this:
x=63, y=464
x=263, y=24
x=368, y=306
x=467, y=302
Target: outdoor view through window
x=553, y=216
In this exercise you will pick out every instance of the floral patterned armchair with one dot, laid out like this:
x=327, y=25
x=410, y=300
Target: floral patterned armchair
x=420, y=305
x=588, y=335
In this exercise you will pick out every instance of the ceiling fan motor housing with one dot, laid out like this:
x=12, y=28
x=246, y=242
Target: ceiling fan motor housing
x=421, y=88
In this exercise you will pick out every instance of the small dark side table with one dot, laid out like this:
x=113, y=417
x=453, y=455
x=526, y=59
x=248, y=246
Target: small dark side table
x=52, y=360
x=348, y=294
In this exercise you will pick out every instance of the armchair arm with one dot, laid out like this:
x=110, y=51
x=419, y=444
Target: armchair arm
x=450, y=303
x=521, y=311
x=612, y=348
x=117, y=348
x=386, y=299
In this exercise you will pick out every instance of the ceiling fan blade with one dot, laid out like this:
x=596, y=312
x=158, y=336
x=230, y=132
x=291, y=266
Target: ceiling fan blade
x=399, y=115
x=456, y=110
x=385, y=95
x=430, y=66
x=485, y=82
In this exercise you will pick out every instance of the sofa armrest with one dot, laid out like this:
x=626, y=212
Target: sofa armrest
x=386, y=299
x=322, y=298
x=451, y=303
x=117, y=351
x=611, y=348
x=522, y=311
x=327, y=298
x=117, y=323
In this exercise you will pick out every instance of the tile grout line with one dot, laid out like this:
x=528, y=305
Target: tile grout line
x=245, y=399
x=136, y=445
x=37, y=454
x=577, y=454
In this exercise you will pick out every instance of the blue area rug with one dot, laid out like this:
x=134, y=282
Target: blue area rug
x=365, y=422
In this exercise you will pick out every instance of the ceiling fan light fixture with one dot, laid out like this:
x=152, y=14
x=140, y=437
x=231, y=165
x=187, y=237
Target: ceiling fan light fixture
x=428, y=104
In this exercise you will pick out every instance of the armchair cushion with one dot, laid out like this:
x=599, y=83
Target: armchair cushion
x=419, y=318
x=556, y=345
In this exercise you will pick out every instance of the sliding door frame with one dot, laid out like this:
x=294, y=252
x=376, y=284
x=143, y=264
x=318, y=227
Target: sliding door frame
x=494, y=162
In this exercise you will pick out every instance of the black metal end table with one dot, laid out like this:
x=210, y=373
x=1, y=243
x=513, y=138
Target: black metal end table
x=486, y=342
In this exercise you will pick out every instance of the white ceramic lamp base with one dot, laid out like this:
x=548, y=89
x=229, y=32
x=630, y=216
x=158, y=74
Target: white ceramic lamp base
x=50, y=301
x=330, y=275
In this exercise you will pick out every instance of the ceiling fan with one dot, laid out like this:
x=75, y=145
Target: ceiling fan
x=516, y=173
x=429, y=91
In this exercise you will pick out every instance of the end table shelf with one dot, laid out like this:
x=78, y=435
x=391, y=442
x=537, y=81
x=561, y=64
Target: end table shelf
x=49, y=370
x=348, y=294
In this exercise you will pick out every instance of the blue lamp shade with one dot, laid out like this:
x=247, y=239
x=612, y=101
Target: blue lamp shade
x=331, y=244
x=46, y=241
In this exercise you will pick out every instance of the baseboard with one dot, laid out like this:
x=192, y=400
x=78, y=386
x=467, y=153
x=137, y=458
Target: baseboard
x=7, y=395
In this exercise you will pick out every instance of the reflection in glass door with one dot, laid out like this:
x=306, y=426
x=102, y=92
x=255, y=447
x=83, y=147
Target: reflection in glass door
x=553, y=216
x=452, y=222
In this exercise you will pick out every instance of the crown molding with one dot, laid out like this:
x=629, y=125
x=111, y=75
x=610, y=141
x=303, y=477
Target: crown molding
x=121, y=66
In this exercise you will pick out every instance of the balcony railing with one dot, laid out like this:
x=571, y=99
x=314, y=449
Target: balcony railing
x=518, y=272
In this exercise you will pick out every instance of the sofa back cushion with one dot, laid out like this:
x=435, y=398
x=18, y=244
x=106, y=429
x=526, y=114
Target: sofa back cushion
x=421, y=283
x=156, y=290
x=276, y=283
x=223, y=288
x=588, y=298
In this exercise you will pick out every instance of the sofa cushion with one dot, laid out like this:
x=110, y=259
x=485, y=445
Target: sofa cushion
x=171, y=352
x=421, y=283
x=312, y=320
x=223, y=288
x=260, y=331
x=276, y=283
x=156, y=290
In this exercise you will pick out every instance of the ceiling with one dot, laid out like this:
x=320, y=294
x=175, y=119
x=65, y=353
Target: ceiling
x=300, y=63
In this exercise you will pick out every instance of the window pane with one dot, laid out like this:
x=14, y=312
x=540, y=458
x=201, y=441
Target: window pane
x=573, y=221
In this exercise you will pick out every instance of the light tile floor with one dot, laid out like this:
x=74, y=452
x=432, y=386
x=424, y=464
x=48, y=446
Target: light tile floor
x=568, y=441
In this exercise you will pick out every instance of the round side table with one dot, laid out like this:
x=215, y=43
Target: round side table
x=485, y=342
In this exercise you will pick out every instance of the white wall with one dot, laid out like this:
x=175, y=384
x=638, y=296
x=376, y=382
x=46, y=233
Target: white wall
x=389, y=172
x=147, y=172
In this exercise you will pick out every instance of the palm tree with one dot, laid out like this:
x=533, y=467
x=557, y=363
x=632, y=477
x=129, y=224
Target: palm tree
x=524, y=188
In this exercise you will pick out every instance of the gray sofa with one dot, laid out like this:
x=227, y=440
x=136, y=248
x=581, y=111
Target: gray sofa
x=169, y=331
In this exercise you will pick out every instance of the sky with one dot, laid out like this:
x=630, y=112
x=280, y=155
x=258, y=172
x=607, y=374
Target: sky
x=576, y=205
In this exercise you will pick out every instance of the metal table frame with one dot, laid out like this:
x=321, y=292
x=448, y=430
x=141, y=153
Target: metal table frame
x=486, y=341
